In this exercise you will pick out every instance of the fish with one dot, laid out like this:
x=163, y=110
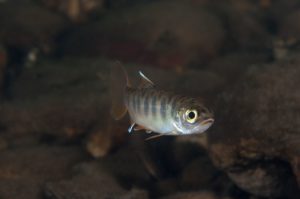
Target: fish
x=155, y=110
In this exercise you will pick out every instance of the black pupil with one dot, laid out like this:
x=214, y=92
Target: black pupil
x=191, y=115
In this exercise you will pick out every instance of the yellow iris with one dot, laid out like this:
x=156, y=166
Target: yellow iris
x=191, y=116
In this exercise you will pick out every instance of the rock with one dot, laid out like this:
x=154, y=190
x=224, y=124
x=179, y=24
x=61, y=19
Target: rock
x=260, y=122
x=278, y=10
x=284, y=14
x=104, y=138
x=236, y=64
x=164, y=187
x=199, y=174
x=135, y=194
x=27, y=30
x=76, y=10
x=113, y=4
x=192, y=195
x=289, y=30
x=3, y=67
x=184, y=151
x=50, y=100
x=198, y=140
x=25, y=170
x=25, y=25
x=128, y=166
x=170, y=39
x=3, y=144
x=269, y=179
x=90, y=182
x=295, y=162
x=246, y=26
x=86, y=184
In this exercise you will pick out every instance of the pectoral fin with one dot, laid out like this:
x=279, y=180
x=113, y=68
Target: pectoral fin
x=138, y=128
x=160, y=135
x=131, y=127
x=154, y=136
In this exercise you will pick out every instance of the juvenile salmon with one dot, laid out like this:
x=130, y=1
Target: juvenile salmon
x=158, y=111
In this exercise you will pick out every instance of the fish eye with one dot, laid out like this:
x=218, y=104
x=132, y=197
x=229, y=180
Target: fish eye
x=191, y=116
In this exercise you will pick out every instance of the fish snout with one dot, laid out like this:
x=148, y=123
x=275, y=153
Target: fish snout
x=208, y=121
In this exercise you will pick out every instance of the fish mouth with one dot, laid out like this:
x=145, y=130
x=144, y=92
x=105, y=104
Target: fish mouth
x=207, y=121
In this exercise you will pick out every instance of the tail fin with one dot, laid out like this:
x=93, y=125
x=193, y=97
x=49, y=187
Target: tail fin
x=118, y=80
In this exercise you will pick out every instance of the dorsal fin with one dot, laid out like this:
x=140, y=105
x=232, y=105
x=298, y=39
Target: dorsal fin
x=145, y=81
x=118, y=81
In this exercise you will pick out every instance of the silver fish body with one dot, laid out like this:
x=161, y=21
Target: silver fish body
x=151, y=109
x=157, y=111
x=160, y=111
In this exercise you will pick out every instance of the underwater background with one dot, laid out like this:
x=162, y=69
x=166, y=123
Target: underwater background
x=59, y=141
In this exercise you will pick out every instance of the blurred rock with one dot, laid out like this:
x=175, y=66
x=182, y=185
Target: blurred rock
x=288, y=29
x=75, y=10
x=25, y=170
x=127, y=166
x=281, y=48
x=25, y=28
x=261, y=122
x=25, y=25
x=3, y=144
x=184, y=34
x=246, y=26
x=284, y=14
x=164, y=187
x=193, y=195
x=269, y=179
x=296, y=167
x=104, y=138
x=90, y=182
x=113, y=4
x=52, y=100
x=185, y=151
x=231, y=66
x=280, y=9
x=199, y=174
x=3, y=67
x=198, y=140
x=136, y=194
